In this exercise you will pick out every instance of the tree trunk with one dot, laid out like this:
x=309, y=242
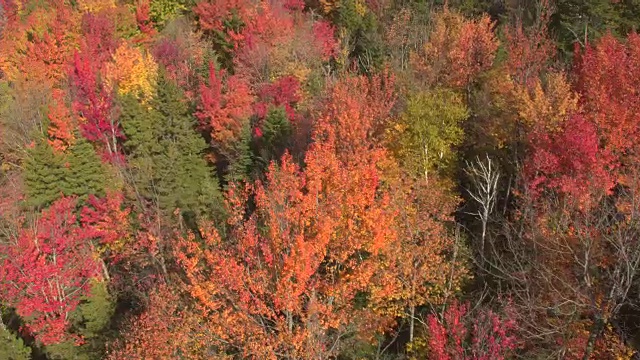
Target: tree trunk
x=596, y=329
x=289, y=321
x=105, y=271
x=426, y=164
x=412, y=322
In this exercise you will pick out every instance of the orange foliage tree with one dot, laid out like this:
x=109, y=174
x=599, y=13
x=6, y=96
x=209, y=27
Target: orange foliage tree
x=165, y=330
x=304, y=268
x=457, y=51
x=38, y=44
x=546, y=105
x=317, y=254
x=61, y=124
x=428, y=264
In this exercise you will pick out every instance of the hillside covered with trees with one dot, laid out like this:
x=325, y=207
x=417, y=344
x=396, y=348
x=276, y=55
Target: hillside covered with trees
x=319, y=179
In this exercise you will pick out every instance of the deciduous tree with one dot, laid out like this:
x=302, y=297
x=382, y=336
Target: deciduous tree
x=166, y=329
x=47, y=270
x=315, y=244
x=458, y=50
x=529, y=49
x=424, y=139
x=133, y=72
x=607, y=74
x=61, y=125
x=225, y=107
x=485, y=336
x=428, y=265
x=93, y=103
x=39, y=43
x=571, y=161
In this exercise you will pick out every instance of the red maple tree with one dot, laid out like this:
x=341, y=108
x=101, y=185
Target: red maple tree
x=47, y=269
x=283, y=92
x=570, y=161
x=529, y=49
x=608, y=73
x=93, y=103
x=486, y=336
x=224, y=107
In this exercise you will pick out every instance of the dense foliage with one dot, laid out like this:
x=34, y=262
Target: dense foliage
x=333, y=179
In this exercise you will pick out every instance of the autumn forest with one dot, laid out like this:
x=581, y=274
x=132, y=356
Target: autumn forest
x=319, y=179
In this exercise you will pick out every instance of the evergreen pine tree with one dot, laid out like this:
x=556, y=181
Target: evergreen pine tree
x=189, y=183
x=141, y=144
x=44, y=175
x=11, y=346
x=139, y=128
x=240, y=165
x=91, y=321
x=277, y=130
x=85, y=174
x=575, y=21
x=362, y=29
x=166, y=154
x=47, y=174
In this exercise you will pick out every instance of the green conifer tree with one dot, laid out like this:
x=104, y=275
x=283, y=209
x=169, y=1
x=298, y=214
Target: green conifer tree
x=48, y=175
x=363, y=33
x=580, y=21
x=240, y=165
x=90, y=321
x=84, y=173
x=166, y=154
x=11, y=346
x=44, y=175
x=276, y=134
x=190, y=182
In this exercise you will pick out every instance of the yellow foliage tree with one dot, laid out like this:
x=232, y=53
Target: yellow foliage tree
x=546, y=104
x=425, y=136
x=94, y=6
x=132, y=72
x=329, y=6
